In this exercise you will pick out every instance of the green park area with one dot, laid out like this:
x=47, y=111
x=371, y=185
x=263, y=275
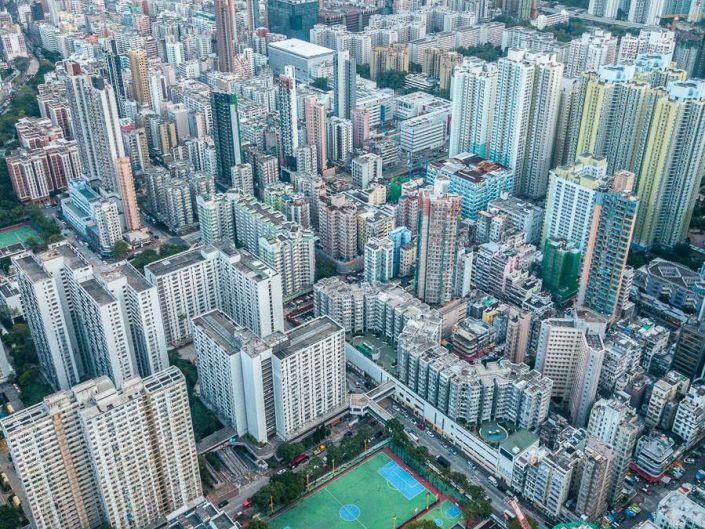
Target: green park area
x=377, y=493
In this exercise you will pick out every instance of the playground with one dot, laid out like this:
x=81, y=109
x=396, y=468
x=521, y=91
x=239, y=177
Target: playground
x=378, y=493
x=445, y=515
x=18, y=233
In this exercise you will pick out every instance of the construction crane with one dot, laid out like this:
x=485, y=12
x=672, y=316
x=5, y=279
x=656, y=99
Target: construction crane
x=523, y=520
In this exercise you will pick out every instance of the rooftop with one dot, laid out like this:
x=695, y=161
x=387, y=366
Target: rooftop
x=32, y=268
x=175, y=262
x=677, y=510
x=96, y=291
x=519, y=441
x=304, y=49
x=230, y=337
x=308, y=334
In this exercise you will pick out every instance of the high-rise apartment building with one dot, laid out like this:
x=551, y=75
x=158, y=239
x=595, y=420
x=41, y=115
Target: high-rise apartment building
x=242, y=178
x=391, y=58
x=668, y=181
x=340, y=140
x=139, y=68
x=689, y=355
x=95, y=454
x=226, y=134
x=379, y=259
x=287, y=104
x=235, y=374
x=308, y=370
x=595, y=479
x=104, y=335
x=590, y=51
x=473, y=95
x=139, y=304
x=571, y=200
x=439, y=212
x=111, y=321
x=525, y=118
x=615, y=114
x=366, y=169
x=337, y=226
x=97, y=130
x=216, y=276
x=603, y=288
x=284, y=245
x=316, y=133
x=344, y=86
x=570, y=353
x=42, y=307
x=225, y=34
x=616, y=424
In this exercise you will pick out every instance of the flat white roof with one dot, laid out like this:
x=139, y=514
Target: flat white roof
x=299, y=47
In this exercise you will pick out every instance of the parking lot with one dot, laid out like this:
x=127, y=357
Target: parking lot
x=648, y=498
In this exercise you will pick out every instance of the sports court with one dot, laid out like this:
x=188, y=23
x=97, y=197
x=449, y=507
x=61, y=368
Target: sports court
x=367, y=497
x=16, y=234
x=445, y=515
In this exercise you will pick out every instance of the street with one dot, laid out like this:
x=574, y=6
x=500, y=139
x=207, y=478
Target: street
x=649, y=501
x=458, y=461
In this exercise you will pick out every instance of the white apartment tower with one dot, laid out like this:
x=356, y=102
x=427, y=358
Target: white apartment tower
x=95, y=454
x=570, y=353
x=525, y=117
x=50, y=331
x=366, y=169
x=616, y=424
x=235, y=373
x=379, y=259
x=212, y=277
x=250, y=291
x=104, y=333
x=139, y=304
x=111, y=320
x=473, y=94
x=308, y=369
x=572, y=194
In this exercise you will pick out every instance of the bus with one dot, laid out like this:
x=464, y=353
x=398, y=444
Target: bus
x=298, y=460
x=412, y=436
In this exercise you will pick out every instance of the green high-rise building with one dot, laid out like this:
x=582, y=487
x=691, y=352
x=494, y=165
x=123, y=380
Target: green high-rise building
x=561, y=268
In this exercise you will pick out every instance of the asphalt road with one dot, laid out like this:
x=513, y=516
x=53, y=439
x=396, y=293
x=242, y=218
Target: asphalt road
x=459, y=463
x=649, y=501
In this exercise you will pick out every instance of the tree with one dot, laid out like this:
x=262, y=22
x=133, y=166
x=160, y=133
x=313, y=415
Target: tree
x=10, y=518
x=21, y=63
x=281, y=490
x=415, y=67
x=515, y=524
x=486, y=52
x=325, y=267
x=363, y=70
x=258, y=524
x=288, y=451
x=33, y=243
x=121, y=249
x=320, y=82
x=421, y=524
x=391, y=79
